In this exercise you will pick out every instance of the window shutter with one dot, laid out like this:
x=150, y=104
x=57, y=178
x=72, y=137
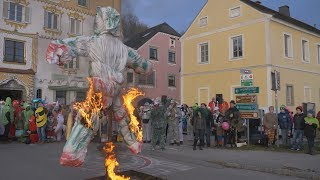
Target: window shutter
x=45, y=19
x=27, y=15
x=72, y=26
x=290, y=46
x=5, y=12
x=77, y=27
x=77, y=63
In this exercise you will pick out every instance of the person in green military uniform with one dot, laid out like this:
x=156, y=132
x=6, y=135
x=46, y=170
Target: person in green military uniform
x=7, y=118
x=158, y=125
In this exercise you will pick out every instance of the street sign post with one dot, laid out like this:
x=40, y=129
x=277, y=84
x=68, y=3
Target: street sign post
x=247, y=90
x=246, y=99
x=247, y=107
x=246, y=83
x=249, y=115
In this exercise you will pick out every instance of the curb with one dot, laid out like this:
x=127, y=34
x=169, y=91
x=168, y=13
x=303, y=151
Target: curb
x=286, y=171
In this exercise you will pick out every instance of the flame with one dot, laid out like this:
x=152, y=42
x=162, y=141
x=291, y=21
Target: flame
x=128, y=98
x=111, y=163
x=92, y=105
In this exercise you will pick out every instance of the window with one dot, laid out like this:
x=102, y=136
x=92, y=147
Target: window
x=51, y=20
x=39, y=93
x=172, y=42
x=204, y=53
x=83, y=3
x=290, y=95
x=61, y=96
x=203, y=22
x=74, y=64
x=172, y=57
x=153, y=53
x=14, y=51
x=236, y=47
x=235, y=12
x=171, y=80
x=81, y=96
x=16, y=12
x=318, y=50
x=148, y=80
x=129, y=77
x=75, y=26
x=305, y=50
x=288, y=46
x=307, y=94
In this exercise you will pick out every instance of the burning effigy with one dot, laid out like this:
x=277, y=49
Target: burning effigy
x=110, y=57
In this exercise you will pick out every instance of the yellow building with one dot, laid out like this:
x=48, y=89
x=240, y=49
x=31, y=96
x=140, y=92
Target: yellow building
x=26, y=29
x=231, y=35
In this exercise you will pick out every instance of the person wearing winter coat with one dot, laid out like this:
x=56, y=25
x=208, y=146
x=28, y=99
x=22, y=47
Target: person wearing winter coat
x=7, y=118
x=209, y=123
x=298, y=123
x=199, y=127
x=233, y=116
x=270, y=123
x=146, y=124
x=311, y=125
x=174, y=115
x=284, y=122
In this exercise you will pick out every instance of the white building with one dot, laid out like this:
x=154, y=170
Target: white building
x=26, y=29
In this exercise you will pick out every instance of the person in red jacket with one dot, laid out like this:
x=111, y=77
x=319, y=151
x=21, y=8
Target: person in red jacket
x=33, y=135
x=223, y=106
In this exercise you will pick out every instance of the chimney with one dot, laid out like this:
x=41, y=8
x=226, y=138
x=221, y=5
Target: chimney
x=284, y=10
x=258, y=2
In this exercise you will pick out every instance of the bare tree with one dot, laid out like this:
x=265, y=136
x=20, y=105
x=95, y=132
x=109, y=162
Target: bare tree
x=131, y=24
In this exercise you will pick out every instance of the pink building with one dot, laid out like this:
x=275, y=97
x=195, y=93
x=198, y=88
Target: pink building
x=160, y=44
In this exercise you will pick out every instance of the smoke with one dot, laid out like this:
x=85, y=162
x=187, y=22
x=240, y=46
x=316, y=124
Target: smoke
x=127, y=7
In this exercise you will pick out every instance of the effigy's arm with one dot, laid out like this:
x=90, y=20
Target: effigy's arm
x=61, y=51
x=137, y=63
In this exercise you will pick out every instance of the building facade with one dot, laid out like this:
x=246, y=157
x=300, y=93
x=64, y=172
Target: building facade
x=27, y=28
x=232, y=35
x=161, y=44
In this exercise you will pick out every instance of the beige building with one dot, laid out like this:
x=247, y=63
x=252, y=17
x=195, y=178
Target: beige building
x=26, y=29
x=231, y=35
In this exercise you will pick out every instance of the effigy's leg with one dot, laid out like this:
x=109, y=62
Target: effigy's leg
x=75, y=149
x=121, y=116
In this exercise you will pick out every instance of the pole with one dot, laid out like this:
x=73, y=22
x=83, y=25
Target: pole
x=277, y=111
x=248, y=131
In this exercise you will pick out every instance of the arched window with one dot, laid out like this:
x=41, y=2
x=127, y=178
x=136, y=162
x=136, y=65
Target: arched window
x=39, y=93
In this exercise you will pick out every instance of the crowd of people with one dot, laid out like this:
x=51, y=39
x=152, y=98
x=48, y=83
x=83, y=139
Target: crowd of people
x=163, y=121
x=32, y=123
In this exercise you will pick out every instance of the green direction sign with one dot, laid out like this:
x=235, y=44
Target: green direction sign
x=247, y=107
x=247, y=83
x=247, y=90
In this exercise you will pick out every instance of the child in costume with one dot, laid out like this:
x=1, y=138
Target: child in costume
x=311, y=125
x=33, y=134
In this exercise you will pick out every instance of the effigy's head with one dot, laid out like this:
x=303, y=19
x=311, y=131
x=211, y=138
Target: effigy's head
x=107, y=21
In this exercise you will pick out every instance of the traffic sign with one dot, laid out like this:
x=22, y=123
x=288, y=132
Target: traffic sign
x=249, y=115
x=246, y=90
x=247, y=107
x=246, y=83
x=246, y=99
x=246, y=76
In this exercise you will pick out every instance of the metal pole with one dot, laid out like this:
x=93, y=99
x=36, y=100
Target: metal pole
x=248, y=131
x=277, y=111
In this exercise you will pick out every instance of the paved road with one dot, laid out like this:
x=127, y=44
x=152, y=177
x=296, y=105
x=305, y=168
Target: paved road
x=19, y=161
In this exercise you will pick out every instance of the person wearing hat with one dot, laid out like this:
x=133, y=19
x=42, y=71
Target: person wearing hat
x=311, y=125
x=174, y=115
x=233, y=116
x=284, y=122
x=270, y=124
x=158, y=125
x=146, y=129
x=298, y=123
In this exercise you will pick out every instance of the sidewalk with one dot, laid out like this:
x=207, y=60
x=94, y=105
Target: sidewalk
x=289, y=164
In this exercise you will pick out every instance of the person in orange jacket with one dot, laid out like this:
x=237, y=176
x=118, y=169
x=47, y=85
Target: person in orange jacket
x=33, y=135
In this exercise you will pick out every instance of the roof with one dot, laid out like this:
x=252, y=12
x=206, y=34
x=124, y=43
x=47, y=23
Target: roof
x=17, y=71
x=140, y=39
x=282, y=17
